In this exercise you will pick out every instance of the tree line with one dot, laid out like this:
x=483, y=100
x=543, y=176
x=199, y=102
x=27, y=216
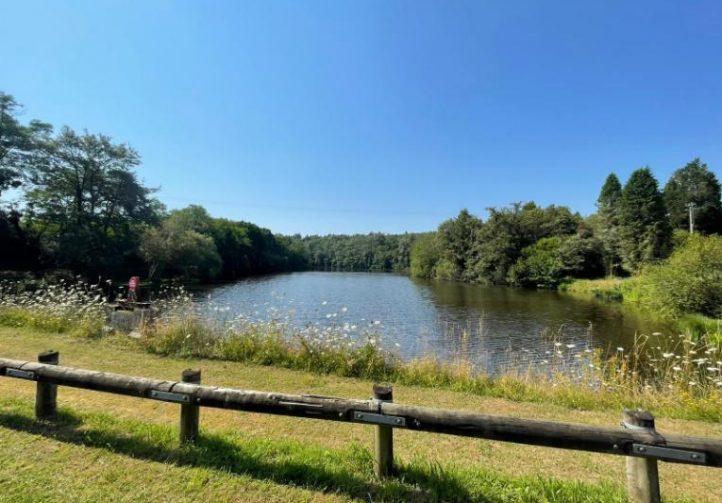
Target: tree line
x=80, y=206
x=527, y=245
x=374, y=252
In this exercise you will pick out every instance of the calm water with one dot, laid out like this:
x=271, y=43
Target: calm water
x=492, y=327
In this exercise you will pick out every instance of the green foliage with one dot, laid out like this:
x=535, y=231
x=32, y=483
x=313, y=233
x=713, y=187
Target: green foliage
x=694, y=183
x=468, y=249
x=689, y=281
x=608, y=211
x=19, y=144
x=424, y=256
x=645, y=232
x=456, y=238
x=180, y=250
x=87, y=204
x=358, y=252
x=540, y=264
x=548, y=261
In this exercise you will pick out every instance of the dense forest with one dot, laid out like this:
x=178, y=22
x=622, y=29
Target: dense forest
x=358, y=252
x=526, y=245
x=73, y=201
x=78, y=205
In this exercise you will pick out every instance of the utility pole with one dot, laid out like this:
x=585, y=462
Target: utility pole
x=691, y=207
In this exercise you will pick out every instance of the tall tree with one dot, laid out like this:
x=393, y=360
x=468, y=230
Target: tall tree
x=456, y=238
x=608, y=207
x=697, y=185
x=20, y=145
x=644, y=227
x=87, y=203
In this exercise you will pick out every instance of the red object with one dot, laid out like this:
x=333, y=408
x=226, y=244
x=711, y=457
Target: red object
x=133, y=283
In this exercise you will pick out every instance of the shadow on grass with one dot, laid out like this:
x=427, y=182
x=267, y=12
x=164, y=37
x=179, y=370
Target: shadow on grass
x=348, y=471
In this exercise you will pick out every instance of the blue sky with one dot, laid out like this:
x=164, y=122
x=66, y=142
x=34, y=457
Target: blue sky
x=358, y=116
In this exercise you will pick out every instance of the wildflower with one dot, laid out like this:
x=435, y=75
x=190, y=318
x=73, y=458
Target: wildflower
x=324, y=303
x=570, y=346
x=676, y=369
x=692, y=383
x=557, y=344
x=620, y=349
x=344, y=309
x=667, y=355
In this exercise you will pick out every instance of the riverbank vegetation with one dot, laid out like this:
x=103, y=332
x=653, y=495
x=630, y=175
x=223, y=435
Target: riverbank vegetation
x=637, y=247
x=80, y=208
x=676, y=377
x=120, y=442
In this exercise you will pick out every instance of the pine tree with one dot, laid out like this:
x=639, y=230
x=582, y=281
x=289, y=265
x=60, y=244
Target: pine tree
x=696, y=184
x=644, y=226
x=608, y=210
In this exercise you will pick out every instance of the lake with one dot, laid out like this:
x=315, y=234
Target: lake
x=491, y=327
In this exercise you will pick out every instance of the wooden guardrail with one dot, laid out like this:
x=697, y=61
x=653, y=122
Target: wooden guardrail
x=637, y=439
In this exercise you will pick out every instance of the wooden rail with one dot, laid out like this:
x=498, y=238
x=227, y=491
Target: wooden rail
x=637, y=439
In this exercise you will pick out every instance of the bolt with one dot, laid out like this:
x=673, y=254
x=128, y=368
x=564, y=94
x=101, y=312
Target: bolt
x=695, y=456
x=615, y=447
x=198, y=400
x=642, y=449
x=340, y=414
x=398, y=421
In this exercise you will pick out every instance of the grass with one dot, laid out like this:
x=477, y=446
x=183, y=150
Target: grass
x=631, y=291
x=606, y=289
x=643, y=376
x=103, y=444
x=678, y=387
x=680, y=380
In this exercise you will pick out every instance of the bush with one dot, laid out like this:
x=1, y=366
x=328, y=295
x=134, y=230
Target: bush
x=548, y=261
x=689, y=281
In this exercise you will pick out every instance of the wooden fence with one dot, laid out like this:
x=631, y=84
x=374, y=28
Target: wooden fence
x=636, y=439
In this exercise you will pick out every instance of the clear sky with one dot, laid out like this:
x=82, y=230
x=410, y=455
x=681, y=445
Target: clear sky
x=358, y=116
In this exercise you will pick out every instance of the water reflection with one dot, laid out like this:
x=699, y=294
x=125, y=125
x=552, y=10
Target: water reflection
x=491, y=327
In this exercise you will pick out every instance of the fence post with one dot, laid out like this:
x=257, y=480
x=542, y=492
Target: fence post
x=384, y=444
x=642, y=473
x=46, y=394
x=190, y=413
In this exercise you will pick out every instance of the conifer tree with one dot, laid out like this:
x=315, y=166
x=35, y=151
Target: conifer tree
x=644, y=226
x=695, y=184
x=608, y=210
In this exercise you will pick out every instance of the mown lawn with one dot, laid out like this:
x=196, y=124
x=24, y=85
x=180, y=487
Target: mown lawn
x=110, y=448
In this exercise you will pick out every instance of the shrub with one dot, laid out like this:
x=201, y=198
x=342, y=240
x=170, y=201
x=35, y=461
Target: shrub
x=689, y=281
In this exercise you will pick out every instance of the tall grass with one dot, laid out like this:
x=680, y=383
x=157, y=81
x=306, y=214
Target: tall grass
x=66, y=307
x=678, y=377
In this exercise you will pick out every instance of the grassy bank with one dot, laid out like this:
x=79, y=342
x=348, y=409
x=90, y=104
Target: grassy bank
x=633, y=291
x=685, y=384
x=110, y=448
x=681, y=382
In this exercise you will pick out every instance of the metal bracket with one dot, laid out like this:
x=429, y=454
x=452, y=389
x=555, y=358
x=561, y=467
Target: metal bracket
x=370, y=417
x=170, y=397
x=667, y=453
x=22, y=374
